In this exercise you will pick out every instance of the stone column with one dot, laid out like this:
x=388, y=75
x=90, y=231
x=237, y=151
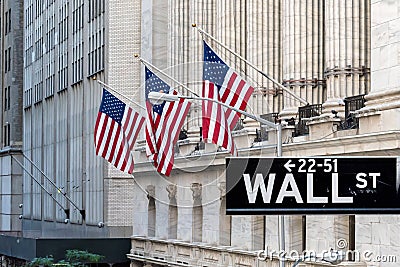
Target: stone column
x=302, y=53
x=180, y=50
x=197, y=213
x=263, y=49
x=347, y=54
x=224, y=220
x=347, y=60
x=203, y=13
x=172, y=212
x=383, y=102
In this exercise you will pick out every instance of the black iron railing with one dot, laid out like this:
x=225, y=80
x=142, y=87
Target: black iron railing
x=262, y=133
x=352, y=104
x=304, y=113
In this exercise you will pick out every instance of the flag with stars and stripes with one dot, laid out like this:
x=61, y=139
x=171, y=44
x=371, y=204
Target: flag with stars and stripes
x=117, y=127
x=222, y=83
x=163, y=124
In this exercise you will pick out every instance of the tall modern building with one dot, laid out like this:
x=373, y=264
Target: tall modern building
x=52, y=52
x=340, y=57
x=11, y=78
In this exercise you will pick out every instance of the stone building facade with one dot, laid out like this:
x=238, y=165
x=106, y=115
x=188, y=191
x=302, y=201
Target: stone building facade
x=339, y=56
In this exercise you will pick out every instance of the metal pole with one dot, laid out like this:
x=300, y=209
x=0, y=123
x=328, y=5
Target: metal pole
x=48, y=179
x=254, y=117
x=281, y=218
x=168, y=76
x=118, y=93
x=43, y=188
x=252, y=65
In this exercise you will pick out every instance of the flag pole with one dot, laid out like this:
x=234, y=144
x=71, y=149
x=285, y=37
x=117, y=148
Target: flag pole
x=146, y=63
x=118, y=93
x=281, y=218
x=202, y=32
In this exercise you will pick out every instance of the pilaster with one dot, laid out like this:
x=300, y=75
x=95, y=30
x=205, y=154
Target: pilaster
x=382, y=110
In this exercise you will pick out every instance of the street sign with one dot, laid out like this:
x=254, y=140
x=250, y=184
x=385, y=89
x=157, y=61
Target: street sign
x=331, y=185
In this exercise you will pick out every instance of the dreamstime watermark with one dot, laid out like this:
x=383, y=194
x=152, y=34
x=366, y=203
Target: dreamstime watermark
x=331, y=255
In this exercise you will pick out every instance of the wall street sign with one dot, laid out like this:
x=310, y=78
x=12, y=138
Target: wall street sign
x=340, y=185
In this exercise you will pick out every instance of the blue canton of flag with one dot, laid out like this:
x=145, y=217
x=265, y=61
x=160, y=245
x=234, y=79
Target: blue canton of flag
x=117, y=127
x=112, y=106
x=155, y=84
x=214, y=69
x=163, y=124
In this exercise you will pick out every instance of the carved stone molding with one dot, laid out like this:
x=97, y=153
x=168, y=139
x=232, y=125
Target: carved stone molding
x=222, y=189
x=171, y=189
x=151, y=191
x=196, y=192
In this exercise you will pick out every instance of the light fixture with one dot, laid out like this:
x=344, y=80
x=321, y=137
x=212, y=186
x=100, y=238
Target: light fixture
x=66, y=221
x=20, y=205
x=100, y=225
x=157, y=98
x=334, y=112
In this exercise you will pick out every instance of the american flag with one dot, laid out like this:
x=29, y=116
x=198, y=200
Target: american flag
x=222, y=83
x=163, y=124
x=117, y=127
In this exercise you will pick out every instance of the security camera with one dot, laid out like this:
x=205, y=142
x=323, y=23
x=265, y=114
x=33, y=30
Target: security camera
x=66, y=221
x=100, y=225
x=20, y=205
x=20, y=217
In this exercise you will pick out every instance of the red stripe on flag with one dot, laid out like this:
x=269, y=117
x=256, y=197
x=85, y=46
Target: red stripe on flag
x=229, y=87
x=108, y=137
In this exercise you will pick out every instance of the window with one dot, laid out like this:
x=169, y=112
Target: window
x=6, y=135
x=96, y=37
x=63, y=46
x=7, y=98
x=7, y=60
x=7, y=21
x=77, y=35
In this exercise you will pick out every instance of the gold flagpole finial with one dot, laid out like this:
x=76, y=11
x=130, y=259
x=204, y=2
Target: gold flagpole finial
x=194, y=25
x=136, y=55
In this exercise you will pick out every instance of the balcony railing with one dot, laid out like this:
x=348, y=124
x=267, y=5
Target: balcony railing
x=262, y=133
x=304, y=113
x=352, y=103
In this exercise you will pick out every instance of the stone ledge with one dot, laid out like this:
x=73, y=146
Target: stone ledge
x=180, y=253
